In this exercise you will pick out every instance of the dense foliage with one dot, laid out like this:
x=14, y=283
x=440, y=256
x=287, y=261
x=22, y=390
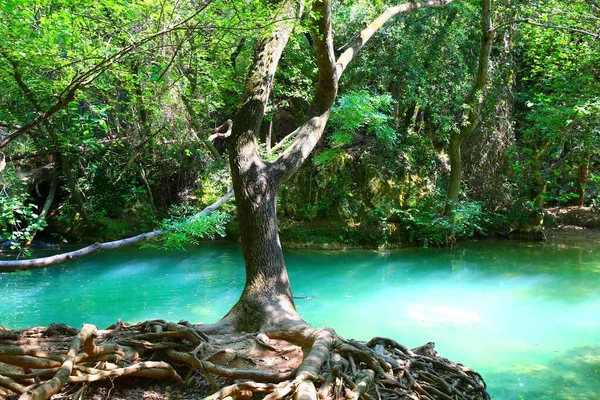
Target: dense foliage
x=106, y=109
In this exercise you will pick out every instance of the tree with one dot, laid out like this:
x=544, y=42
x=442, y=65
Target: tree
x=473, y=104
x=266, y=303
x=557, y=100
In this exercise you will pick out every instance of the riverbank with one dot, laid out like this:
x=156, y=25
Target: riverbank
x=564, y=217
x=572, y=223
x=573, y=232
x=560, y=223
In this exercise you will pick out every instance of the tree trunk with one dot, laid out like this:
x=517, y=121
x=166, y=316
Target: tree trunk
x=539, y=187
x=531, y=227
x=455, y=172
x=47, y=203
x=148, y=189
x=474, y=102
x=583, y=174
x=75, y=195
x=267, y=299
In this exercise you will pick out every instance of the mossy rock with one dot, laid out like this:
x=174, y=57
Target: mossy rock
x=586, y=217
x=333, y=234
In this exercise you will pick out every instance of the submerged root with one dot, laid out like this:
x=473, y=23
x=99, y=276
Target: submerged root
x=301, y=362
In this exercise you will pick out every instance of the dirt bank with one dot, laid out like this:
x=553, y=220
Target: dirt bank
x=572, y=223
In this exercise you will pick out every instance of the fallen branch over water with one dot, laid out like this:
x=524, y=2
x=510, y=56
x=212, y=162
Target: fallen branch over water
x=37, y=263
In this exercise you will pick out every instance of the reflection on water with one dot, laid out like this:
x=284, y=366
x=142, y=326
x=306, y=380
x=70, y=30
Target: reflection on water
x=572, y=375
x=525, y=315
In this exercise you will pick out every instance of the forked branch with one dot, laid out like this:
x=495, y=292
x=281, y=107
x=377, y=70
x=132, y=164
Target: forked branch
x=329, y=74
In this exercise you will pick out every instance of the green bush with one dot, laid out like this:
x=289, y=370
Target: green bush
x=18, y=218
x=184, y=228
x=426, y=225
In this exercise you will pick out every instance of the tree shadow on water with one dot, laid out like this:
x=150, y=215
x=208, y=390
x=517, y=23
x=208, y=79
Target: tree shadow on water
x=574, y=375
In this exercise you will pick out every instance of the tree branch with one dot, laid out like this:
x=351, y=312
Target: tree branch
x=329, y=74
x=37, y=263
x=310, y=132
x=376, y=25
x=79, y=81
x=528, y=21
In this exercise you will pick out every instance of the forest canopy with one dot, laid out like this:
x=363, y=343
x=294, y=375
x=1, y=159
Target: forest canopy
x=114, y=111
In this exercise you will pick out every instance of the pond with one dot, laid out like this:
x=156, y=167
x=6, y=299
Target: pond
x=526, y=316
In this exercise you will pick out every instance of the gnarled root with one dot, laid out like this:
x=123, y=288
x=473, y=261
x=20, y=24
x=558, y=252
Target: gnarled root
x=299, y=362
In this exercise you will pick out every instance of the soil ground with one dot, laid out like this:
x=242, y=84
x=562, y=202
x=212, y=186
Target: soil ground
x=572, y=223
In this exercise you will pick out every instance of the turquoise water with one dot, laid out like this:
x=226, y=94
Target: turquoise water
x=527, y=316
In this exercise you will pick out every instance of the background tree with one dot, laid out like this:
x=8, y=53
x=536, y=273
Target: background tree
x=557, y=93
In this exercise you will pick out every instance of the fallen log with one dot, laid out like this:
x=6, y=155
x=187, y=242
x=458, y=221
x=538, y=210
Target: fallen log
x=44, y=262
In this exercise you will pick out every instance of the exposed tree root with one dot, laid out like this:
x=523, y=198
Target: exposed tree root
x=298, y=362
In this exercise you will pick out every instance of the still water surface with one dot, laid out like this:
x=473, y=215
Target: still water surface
x=527, y=316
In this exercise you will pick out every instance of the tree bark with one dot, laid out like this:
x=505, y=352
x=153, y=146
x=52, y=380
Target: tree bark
x=75, y=194
x=455, y=172
x=266, y=301
x=475, y=102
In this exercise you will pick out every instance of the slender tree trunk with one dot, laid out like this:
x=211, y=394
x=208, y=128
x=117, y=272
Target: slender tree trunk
x=148, y=189
x=47, y=203
x=475, y=102
x=455, y=172
x=75, y=194
x=50, y=197
x=583, y=174
x=539, y=183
